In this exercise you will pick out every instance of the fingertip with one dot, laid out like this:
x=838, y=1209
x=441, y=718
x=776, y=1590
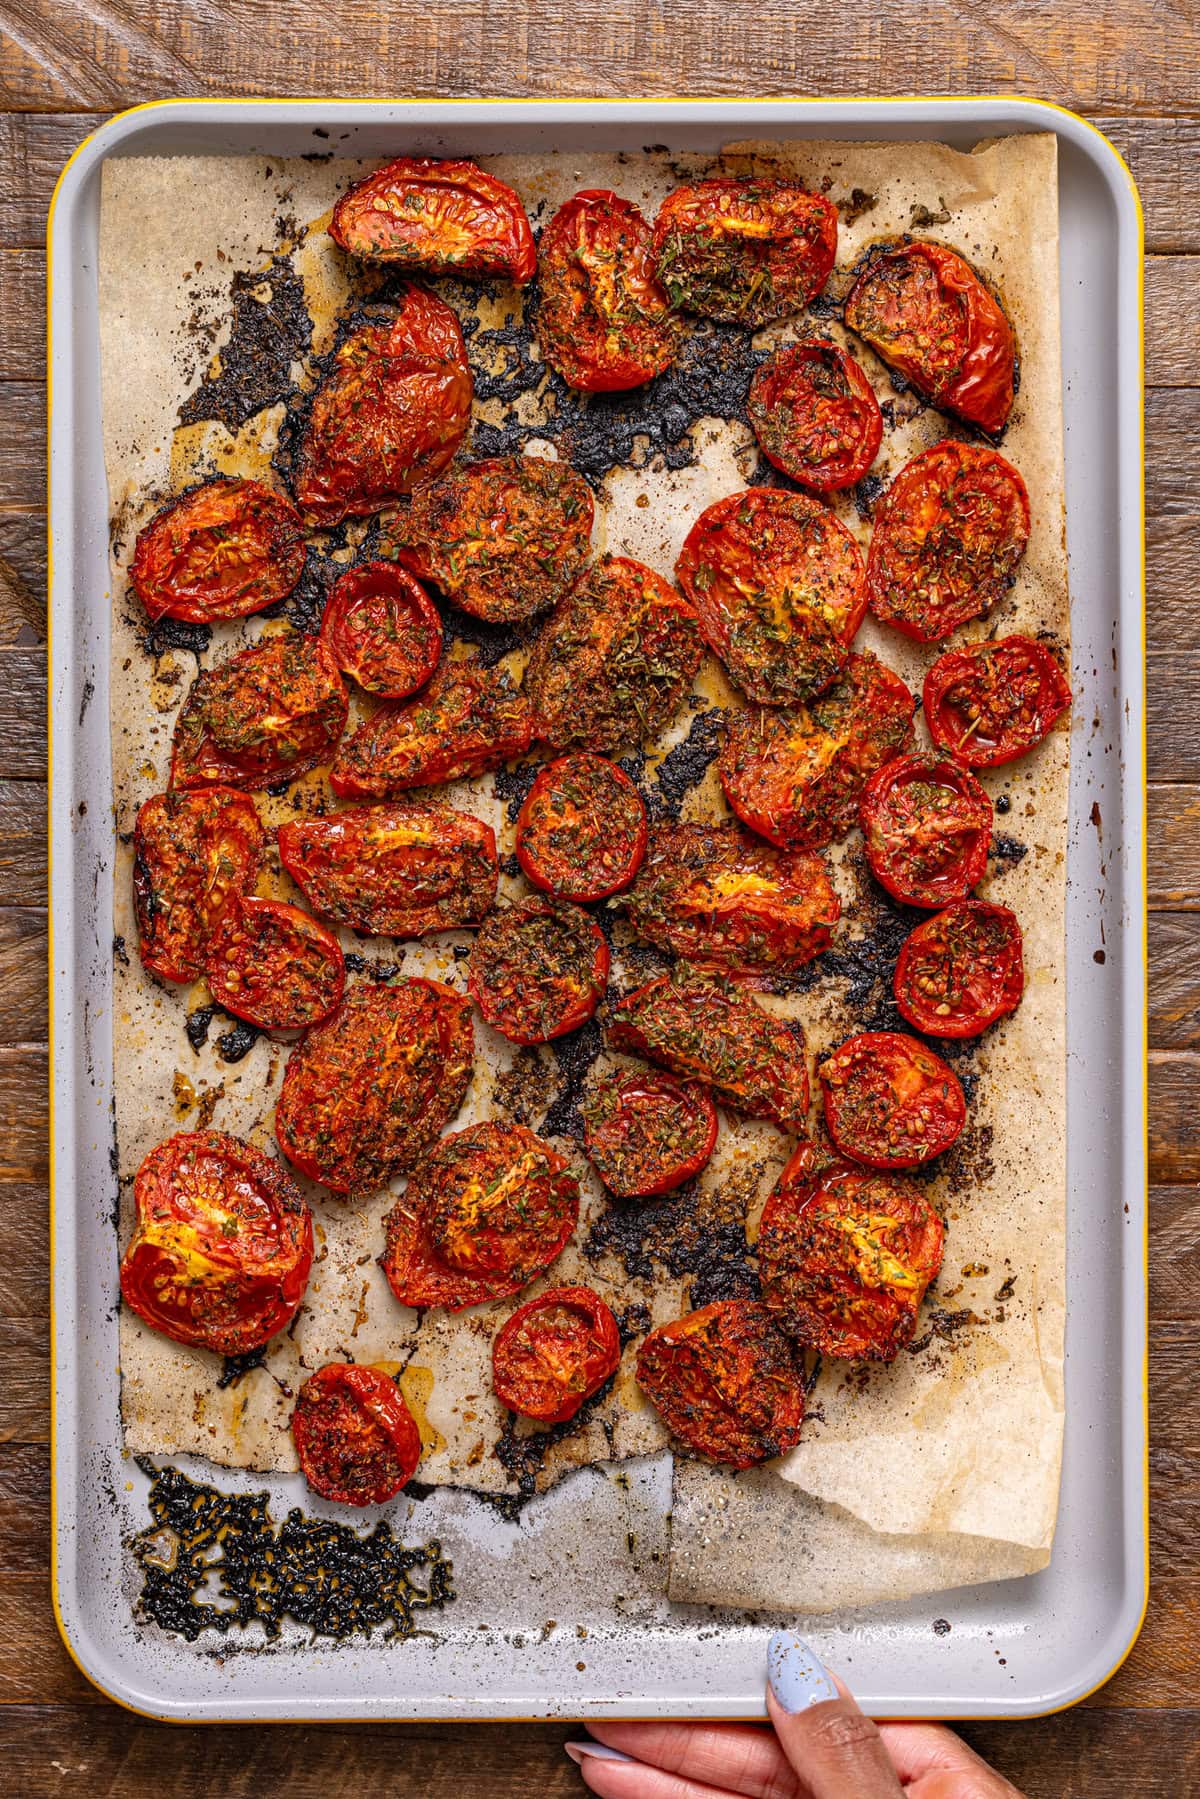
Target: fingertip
x=796, y=1675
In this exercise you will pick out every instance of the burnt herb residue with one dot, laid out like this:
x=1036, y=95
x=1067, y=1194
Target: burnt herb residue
x=866, y=496
x=120, y=953
x=1008, y=849
x=575, y=1053
x=270, y=330
x=522, y=1452
x=232, y=1044
x=196, y=1026
x=374, y=971
x=944, y=1326
x=176, y=634
x=511, y=785
x=684, y=767
x=304, y=607
x=234, y=1368
x=694, y=1231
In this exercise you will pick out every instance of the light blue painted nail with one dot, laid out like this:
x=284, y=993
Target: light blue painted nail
x=601, y=1751
x=796, y=1674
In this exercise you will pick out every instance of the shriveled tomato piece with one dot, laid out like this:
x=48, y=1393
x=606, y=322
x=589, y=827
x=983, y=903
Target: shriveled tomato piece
x=367, y=1092
x=990, y=702
x=647, y=1133
x=394, y=871
x=815, y=415
x=221, y=1246
x=446, y=216
x=581, y=831
x=961, y=970
x=928, y=829
x=485, y=1213
x=273, y=965
x=795, y=776
x=603, y=321
x=192, y=852
x=357, y=1441
x=383, y=628
x=889, y=1101
x=269, y=714
x=469, y=719
x=538, y=969
x=744, y=248
x=223, y=550
x=727, y=1382
x=555, y=1352
x=778, y=586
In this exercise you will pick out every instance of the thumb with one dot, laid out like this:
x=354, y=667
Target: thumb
x=835, y=1751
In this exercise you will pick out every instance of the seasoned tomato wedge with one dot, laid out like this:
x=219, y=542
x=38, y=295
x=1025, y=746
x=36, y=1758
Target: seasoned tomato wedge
x=368, y=1091
x=948, y=535
x=192, y=852
x=717, y=896
x=815, y=415
x=889, y=1101
x=394, y=871
x=796, y=776
x=581, y=832
x=555, y=1352
x=468, y=720
x=647, y=1133
x=224, y=550
x=603, y=321
x=273, y=965
x=746, y=249
x=615, y=662
x=753, y=1062
x=961, y=970
x=928, y=829
x=778, y=586
x=727, y=1382
x=990, y=702
x=269, y=714
x=927, y=313
x=481, y=1217
x=221, y=1246
x=357, y=1441
x=448, y=217
x=845, y=1257
x=503, y=539
x=538, y=970
x=383, y=628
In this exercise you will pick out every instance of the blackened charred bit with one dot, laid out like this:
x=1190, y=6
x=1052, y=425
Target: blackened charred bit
x=693, y=1231
x=632, y=1321
x=1003, y=803
x=859, y=203
x=522, y=1454
x=1008, y=849
x=238, y=1041
x=374, y=971
x=866, y=496
x=575, y=1053
x=196, y=1026
x=491, y=642
x=270, y=330
x=1006, y=1289
x=176, y=634
x=304, y=607
x=941, y=1627
x=85, y=700
x=684, y=767
x=120, y=953
x=510, y=866
x=235, y=1367
x=511, y=785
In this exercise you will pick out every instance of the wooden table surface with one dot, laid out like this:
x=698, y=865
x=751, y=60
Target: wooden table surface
x=1135, y=70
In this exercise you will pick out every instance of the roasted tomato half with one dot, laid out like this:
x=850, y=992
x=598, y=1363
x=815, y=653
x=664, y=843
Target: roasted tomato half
x=191, y=853
x=484, y=1214
x=795, y=776
x=221, y=1246
x=990, y=702
x=647, y=1133
x=714, y=894
x=448, y=217
x=538, y=969
x=383, y=628
x=928, y=829
x=581, y=832
x=746, y=249
x=927, y=313
x=889, y=1101
x=815, y=415
x=555, y=1352
x=224, y=550
x=615, y=662
x=778, y=586
x=390, y=414
x=357, y=1441
x=603, y=321
x=273, y=965
x=503, y=539
x=727, y=1382
x=394, y=871
x=948, y=535
x=468, y=720
x=961, y=970
x=368, y=1091
x=753, y=1061
x=269, y=714
x=845, y=1258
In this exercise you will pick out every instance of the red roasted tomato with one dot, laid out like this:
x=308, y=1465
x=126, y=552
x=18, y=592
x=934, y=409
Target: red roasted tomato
x=468, y=720
x=928, y=829
x=647, y=1133
x=746, y=249
x=445, y=216
x=795, y=776
x=555, y=1352
x=394, y=871
x=961, y=970
x=222, y=1244
x=383, y=628
x=357, y=1441
x=224, y=550
x=368, y=1091
x=274, y=965
x=778, y=585
x=482, y=1216
x=269, y=714
x=988, y=703
x=927, y=313
x=603, y=321
x=727, y=1382
x=815, y=415
x=191, y=853
x=889, y=1101
x=581, y=832
x=538, y=970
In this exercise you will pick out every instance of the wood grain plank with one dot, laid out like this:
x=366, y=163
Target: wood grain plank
x=22, y=843
x=1161, y=154
x=1172, y=320
x=1175, y=1259
x=24, y=1269
x=24, y=1113
x=1174, y=1136
x=1174, y=968
x=24, y=1401
x=22, y=440
x=22, y=317
x=23, y=977
x=1173, y=847
x=24, y=1508
x=23, y=712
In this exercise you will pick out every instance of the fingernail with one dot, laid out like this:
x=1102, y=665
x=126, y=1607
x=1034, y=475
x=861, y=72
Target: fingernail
x=577, y=1751
x=796, y=1674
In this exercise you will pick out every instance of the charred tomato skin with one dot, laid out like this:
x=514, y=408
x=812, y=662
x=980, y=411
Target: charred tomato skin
x=815, y=415
x=192, y=852
x=555, y=1352
x=273, y=965
x=270, y=713
x=890, y=1102
x=987, y=703
x=927, y=826
x=383, y=629
x=449, y=217
x=744, y=249
x=726, y=1381
x=647, y=1133
x=357, y=1441
x=222, y=550
x=469, y=719
x=961, y=970
x=581, y=830
x=538, y=969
